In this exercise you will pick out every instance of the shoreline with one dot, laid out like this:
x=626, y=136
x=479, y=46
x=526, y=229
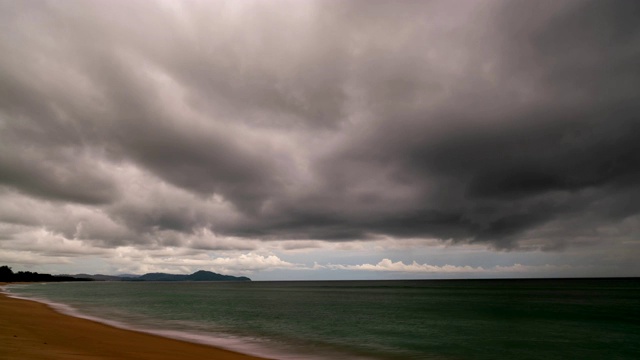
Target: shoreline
x=33, y=330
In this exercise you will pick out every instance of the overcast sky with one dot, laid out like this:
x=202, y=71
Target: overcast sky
x=321, y=140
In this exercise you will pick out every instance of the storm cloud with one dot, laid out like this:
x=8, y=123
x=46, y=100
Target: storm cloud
x=513, y=124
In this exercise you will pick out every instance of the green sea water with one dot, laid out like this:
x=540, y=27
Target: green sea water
x=461, y=319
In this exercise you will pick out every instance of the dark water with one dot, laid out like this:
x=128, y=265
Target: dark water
x=461, y=319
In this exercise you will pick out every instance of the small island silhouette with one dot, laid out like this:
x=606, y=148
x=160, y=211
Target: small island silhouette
x=7, y=275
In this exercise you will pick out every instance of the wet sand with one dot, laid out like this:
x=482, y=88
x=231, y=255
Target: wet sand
x=31, y=330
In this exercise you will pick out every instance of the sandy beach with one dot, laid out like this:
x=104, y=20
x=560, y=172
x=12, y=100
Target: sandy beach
x=32, y=330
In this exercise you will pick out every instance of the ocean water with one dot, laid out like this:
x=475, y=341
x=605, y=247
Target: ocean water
x=461, y=319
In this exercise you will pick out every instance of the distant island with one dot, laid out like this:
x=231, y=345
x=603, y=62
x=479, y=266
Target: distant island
x=7, y=275
x=201, y=275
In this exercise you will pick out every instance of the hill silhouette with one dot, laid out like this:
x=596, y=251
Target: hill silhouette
x=200, y=275
x=7, y=275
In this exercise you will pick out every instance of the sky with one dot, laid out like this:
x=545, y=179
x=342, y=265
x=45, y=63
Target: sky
x=306, y=140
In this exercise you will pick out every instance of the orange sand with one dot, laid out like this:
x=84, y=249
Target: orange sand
x=32, y=330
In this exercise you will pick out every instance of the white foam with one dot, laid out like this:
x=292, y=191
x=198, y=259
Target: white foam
x=249, y=346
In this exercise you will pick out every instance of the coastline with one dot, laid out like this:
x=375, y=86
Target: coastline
x=32, y=330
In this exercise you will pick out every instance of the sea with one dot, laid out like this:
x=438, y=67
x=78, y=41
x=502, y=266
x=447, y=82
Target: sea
x=414, y=319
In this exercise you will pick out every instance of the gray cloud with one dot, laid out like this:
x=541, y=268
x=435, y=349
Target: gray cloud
x=479, y=122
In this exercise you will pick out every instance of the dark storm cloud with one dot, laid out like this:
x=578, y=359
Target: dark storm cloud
x=503, y=155
x=66, y=181
x=483, y=122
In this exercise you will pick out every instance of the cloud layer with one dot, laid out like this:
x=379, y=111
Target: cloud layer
x=401, y=267
x=217, y=125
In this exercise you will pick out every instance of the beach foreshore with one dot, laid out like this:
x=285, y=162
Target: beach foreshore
x=32, y=330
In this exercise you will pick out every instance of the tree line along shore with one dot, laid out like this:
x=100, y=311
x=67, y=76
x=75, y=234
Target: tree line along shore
x=7, y=275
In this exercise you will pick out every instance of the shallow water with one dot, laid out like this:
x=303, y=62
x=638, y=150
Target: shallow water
x=462, y=319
